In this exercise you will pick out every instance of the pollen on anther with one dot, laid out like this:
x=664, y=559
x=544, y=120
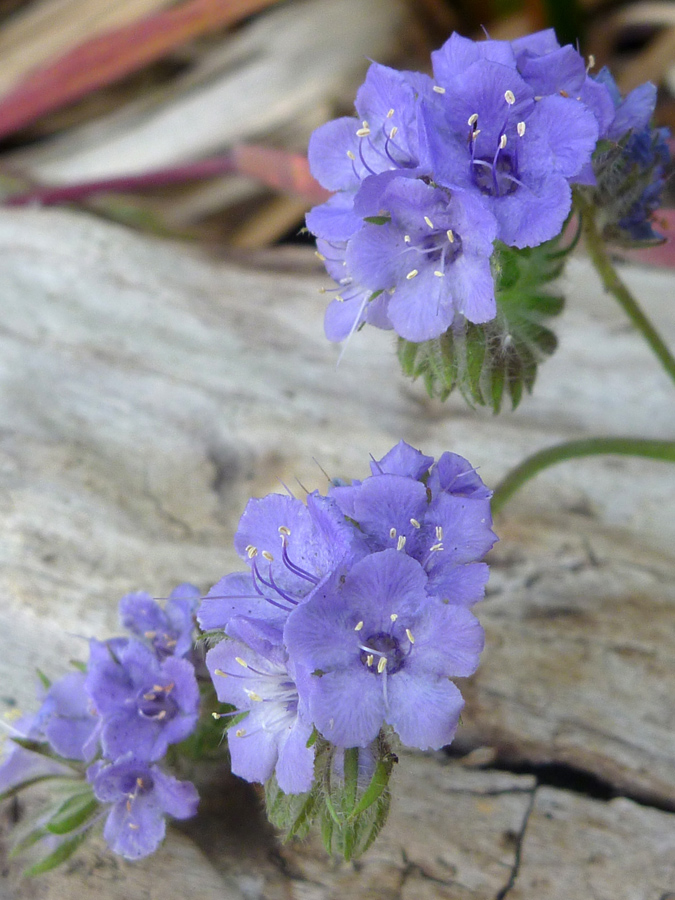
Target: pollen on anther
x=415, y=523
x=393, y=132
x=358, y=626
x=473, y=118
x=400, y=544
x=364, y=131
x=382, y=664
x=520, y=128
x=439, y=532
x=591, y=62
x=220, y=672
x=438, y=89
x=320, y=256
x=268, y=556
x=410, y=635
x=390, y=113
x=439, y=274
x=502, y=142
x=412, y=274
x=428, y=221
x=451, y=235
x=284, y=529
x=240, y=732
x=392, y=532
x=255, y=697
x=369, y=659
x=406, y=238
x=350, y=154
x=510, y=97
x=393, y=617
x=242, y=662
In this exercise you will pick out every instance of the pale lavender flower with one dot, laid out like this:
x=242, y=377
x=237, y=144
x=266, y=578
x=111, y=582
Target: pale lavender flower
x=141, y=796
x=169, y=630
x=68, y=719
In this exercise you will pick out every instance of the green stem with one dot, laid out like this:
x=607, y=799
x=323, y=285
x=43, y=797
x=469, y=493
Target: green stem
x=659, y=450
x=612, y=283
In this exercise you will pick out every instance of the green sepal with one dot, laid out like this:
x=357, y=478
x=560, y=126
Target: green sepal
x=73, y=813
x=498, y=359
x=44, y=680
x=377, y=220
x=63, y=852
x=292, y=814
x=77, y=664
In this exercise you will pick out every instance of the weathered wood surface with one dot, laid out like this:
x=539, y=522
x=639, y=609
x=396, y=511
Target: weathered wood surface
x=146, y=393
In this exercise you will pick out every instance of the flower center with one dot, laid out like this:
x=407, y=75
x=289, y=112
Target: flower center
x=157, y=703
x=382, y=652
x=495, y=177
x=135, y=783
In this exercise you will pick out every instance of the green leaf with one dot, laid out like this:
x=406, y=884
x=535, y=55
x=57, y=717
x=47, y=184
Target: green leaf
x=63, y=852
x=17, y=788
x=377, y=220
x=73, y=812
x=46, y=682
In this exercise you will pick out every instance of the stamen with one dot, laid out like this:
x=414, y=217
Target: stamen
x=369, y=660
x=161, y=714
x=428, y=221
x=473, y=118
x=410, y=636
x=474, y=134
x=220, y=672
x=364, y=131
x=521, y=129
x=502, y=142
x=381, y=665
x=439, y=532
x=320, y=256
x=392, y=532
x=240, y=732
x=412, y=274
x=253, y=696
x=510, y=97
x=415, y=523
x=563, y=93
x=591, y=62
x=401, y=542
x=284, y=529
x=251, y=551
x=390, y=113
x=242, y=662
x=359, y=626
x=351, y=155
x=438, y=89
x=451, y=235
x=439, y=275
x=393, y=132
x=406, y=238
x=268, y=556
x=393, y=617
x=436, y=548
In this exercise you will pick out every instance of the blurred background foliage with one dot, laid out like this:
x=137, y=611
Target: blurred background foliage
x=190, y=118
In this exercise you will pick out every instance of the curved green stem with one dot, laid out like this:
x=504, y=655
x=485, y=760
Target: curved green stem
x=612, y=283
x=659, y=450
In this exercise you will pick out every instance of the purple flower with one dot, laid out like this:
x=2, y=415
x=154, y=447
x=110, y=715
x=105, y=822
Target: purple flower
x=253, y=673
x=18, y=765
x=68, y=720
x=141, y=796
x=145, y=704
x=290, y=548
x=430, y=250
x=168, y=630
x=492, y=135
x=380, y=650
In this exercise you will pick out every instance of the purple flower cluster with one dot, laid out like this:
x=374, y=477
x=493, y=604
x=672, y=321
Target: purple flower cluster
x=353, y=614
x=138, y=695
x=433, y=170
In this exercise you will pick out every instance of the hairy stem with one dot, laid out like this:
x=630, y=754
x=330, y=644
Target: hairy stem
x=612, y=283
x=623, y=446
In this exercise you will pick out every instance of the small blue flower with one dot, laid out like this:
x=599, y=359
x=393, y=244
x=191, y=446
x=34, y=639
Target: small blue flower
x=169, y=630
x=68, y=719
x=380, y=650
x=141, y=796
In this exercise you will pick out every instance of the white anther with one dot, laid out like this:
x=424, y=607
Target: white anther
x=240, y=732
x=502, y=142
x=350, y=154
x=364, y=131
x=390, y=113
x=393, y=132
x=242, y=662
x=510, y=97
x=393, y=617
x=436, y=548
x=345, y=281
x=369, y=659
x=358, y=626
x=410, y=636
x=392, y=532
x=251, y=551
x=253, y=696
x=406, y=238
x=220, y=672
x=439, y=532
x=591, y=62
x=284, y=529
x=473, y=118
x=401, y=542
x=521, y=129
x=438, y=89
x=451, y=235
x=415, y=523
x=339, y=298
x=268, y=556
x=428, y=221
x=439, y=275
x=382, y=665
x=320, y=255
x=474, y=134
x=412, y=274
